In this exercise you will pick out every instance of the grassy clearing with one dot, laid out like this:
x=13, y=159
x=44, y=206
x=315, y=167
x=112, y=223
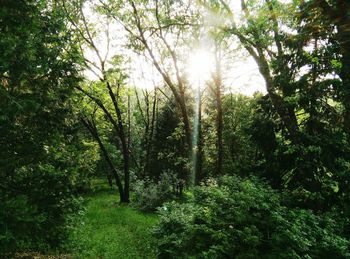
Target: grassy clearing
x=110, y=230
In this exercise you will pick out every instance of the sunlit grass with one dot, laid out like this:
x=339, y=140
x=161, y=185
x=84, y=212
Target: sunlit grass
x=110, y=230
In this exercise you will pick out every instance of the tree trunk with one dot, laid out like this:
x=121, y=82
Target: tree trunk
x=287, y=114
x=199, y=170
x=186, y=121
x=93, y=130
x=219, y=122
x=151, y=130
x=124, y=142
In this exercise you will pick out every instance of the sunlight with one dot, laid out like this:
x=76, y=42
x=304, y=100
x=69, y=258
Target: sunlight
x=200, y=66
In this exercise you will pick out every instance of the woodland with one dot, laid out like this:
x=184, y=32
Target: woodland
x=175, y=129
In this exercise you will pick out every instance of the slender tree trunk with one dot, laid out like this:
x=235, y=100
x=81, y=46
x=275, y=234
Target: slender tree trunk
x=110, y=180
x=151, y=130
x=124, y=143
x=219, y=122
x=199, y=168
x=129, y=122
x=219, y=127
x=93, y=130
x=144, y=138
x=186, y=121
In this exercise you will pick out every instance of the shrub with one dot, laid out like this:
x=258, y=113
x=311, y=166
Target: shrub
x=32, y=219
x=150, y=195
x=239, y=218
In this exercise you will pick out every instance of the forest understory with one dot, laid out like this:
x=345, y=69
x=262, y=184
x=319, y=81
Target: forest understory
x=175, y=129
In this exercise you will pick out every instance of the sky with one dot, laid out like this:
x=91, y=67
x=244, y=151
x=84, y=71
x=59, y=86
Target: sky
x=241, y=74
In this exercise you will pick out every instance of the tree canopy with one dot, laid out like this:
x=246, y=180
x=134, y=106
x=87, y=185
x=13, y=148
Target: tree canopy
x=150, y=96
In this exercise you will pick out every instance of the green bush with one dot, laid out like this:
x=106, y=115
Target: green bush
x=35, y=209
x=244, y=218
x=149, y=195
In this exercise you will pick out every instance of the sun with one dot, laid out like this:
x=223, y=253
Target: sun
x=200, y=66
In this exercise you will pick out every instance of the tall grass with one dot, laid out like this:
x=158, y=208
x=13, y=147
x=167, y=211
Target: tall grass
x=108, y=229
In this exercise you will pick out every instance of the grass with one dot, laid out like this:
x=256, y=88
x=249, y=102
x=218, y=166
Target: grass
x=108, y=229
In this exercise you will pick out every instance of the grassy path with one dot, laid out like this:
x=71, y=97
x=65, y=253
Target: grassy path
x=110, y=230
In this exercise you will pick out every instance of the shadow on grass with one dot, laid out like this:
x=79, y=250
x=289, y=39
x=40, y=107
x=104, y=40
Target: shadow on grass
x=108, y=229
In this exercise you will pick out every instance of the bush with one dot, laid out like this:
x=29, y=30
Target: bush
x=35, y=208
x=238, y=218
x=150, y=195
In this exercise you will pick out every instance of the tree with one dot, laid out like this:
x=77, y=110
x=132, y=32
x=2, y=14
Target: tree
x=293, y=56
x=334, y=16
x=167, y=153
x=147, y=115
x=38, y=71
x=112, y=81
x=157, y=29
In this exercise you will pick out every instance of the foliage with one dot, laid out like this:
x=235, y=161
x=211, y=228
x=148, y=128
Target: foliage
x=312, y=169
x=36, y=208
x=294, y=137
x=238, y=119
x=150, y=195
x=38, y=69
x=244, y=218
x=167, y=151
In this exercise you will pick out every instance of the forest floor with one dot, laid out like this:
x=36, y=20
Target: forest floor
x=107, y=229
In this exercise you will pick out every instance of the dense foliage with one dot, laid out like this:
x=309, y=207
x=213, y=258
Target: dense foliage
x=110, y=89
x=38, y=69
x=149, y=195
x=244, y=218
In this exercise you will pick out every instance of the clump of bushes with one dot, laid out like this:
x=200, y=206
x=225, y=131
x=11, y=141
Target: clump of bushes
x=244, y=218
x=149, y=195
x=32, y=219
